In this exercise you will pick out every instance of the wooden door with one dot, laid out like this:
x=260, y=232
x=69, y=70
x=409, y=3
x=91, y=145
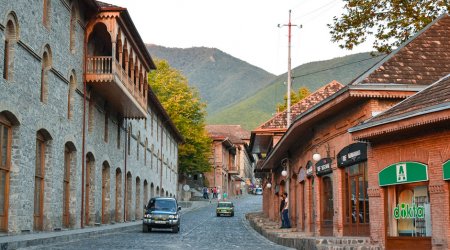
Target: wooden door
x=327, y=210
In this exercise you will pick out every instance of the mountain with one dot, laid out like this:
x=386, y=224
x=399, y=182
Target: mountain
x=221, y=79
x=253, y=111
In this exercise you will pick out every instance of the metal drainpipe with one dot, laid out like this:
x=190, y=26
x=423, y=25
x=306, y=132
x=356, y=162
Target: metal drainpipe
x=125, y=174
x=162, y=161
x=83, y=159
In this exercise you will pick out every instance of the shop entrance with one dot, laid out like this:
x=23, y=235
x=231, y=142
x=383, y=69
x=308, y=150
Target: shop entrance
x=356, y=201
x=327, y=206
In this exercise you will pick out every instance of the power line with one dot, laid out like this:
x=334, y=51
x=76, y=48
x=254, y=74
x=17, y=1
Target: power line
x=339, y=66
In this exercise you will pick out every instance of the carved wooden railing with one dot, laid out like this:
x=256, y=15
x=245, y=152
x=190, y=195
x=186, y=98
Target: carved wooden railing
x=106, y=65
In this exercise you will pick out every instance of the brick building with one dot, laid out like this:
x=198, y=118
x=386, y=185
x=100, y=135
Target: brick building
x=232, y=163
x=335, y=181
x=70, y=160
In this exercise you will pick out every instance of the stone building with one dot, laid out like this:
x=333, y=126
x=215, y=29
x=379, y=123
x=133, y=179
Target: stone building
x=70, y=160
x=370, y=160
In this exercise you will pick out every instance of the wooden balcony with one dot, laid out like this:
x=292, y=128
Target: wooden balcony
x=107, y=78
x=233, y=170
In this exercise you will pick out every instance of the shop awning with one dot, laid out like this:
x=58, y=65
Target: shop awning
x=403, y=172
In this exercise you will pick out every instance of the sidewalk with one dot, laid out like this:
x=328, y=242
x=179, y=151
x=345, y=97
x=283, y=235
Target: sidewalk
x=301, y=240
x=43, y=238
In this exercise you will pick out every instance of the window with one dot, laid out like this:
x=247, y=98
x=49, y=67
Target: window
x=408, y=209
x=46, y=13
x=11, y=37
x=69, y=156
x=73, y=22
x=39, y=182
x=5, y=166
x=46, y=66
x=71, y=95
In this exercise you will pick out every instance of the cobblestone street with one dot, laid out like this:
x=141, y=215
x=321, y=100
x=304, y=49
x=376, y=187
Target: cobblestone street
x=200, y=229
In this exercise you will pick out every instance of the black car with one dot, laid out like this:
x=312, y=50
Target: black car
x=162, y=212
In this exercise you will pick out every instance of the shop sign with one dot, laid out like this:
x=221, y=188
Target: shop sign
x=323, y=167
x=309, y=169
x=408, y=211
x=403, y=172
x=446, y=170
x=301, y=175
x=351, y=154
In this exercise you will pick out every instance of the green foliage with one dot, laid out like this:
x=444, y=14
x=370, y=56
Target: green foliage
x=301, y=94
x=392, y=22
x=187, y=112
x=253, y=111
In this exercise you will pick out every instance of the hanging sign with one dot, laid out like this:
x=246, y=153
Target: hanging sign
x=351, y=154
x=309, y=169
x=323, y=167
x=301, y=175
x=446, y=170
x=403, y=172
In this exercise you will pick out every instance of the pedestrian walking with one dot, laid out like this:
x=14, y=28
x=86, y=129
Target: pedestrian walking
x=215, y=192
x=205, y=193
x=287, y=223
x=281, y=210
x=225, y=196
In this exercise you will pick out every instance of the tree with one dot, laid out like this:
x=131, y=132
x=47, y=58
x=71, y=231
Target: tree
x=392, y=22
x=187, y=112
x=301, y=94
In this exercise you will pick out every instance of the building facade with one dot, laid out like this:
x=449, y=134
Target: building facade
x=232, y=164
x=70, y=160
x=370, y=160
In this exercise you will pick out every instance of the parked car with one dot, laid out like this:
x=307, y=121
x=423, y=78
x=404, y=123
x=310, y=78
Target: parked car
x=258, y=191
x=225, y=207
x=162, y=212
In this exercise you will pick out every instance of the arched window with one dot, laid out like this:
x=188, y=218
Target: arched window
x=11, y=37
x=73, y=26
x=42, y=139
x=69, y=158
x=71, y=94
x=46, y=66
x=46, y=13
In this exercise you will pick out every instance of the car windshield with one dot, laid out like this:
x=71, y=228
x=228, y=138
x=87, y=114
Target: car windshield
x=162, y=205
x=225, y=204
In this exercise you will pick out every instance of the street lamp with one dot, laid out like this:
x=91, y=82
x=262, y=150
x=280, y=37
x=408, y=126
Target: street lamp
x=284, y=173
x=316, y=157
x=269, y=185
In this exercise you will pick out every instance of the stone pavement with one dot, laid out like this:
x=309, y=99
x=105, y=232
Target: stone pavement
x=9, y=241
x=300, y=240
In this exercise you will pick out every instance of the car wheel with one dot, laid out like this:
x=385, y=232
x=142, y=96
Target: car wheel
x=145, y=228
x=175, y=229
x=218, y=215
x=232, y=214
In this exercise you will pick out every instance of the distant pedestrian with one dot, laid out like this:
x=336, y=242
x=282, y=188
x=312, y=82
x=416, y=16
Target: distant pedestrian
x=205, y=193
x=287, y=223
x=225, y=196
x=215, y=192
x=281, y=210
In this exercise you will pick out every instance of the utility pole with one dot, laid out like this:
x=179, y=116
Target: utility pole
x=289, y=82
x=289, y=77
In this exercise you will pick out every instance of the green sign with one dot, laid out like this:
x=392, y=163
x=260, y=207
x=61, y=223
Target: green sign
x=403, y=172
x=408, y=211
x=446, y=170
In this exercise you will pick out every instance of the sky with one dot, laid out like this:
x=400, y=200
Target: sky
x=245, y=29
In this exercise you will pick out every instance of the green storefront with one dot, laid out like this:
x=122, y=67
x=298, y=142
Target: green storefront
x=408, y=213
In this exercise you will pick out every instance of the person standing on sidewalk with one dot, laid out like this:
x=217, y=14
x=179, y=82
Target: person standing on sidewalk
x=287, y=223
x=281, y=210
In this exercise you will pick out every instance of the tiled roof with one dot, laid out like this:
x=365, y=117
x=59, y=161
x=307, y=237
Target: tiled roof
x=235, y=133
x=436, y=94
x=422, y=60
x=107, y=5
x=279, y=120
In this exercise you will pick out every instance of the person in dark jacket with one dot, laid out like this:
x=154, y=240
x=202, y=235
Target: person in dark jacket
x=282, y=205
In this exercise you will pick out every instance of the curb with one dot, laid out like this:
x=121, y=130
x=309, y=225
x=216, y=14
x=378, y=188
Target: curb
x=16, y=241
